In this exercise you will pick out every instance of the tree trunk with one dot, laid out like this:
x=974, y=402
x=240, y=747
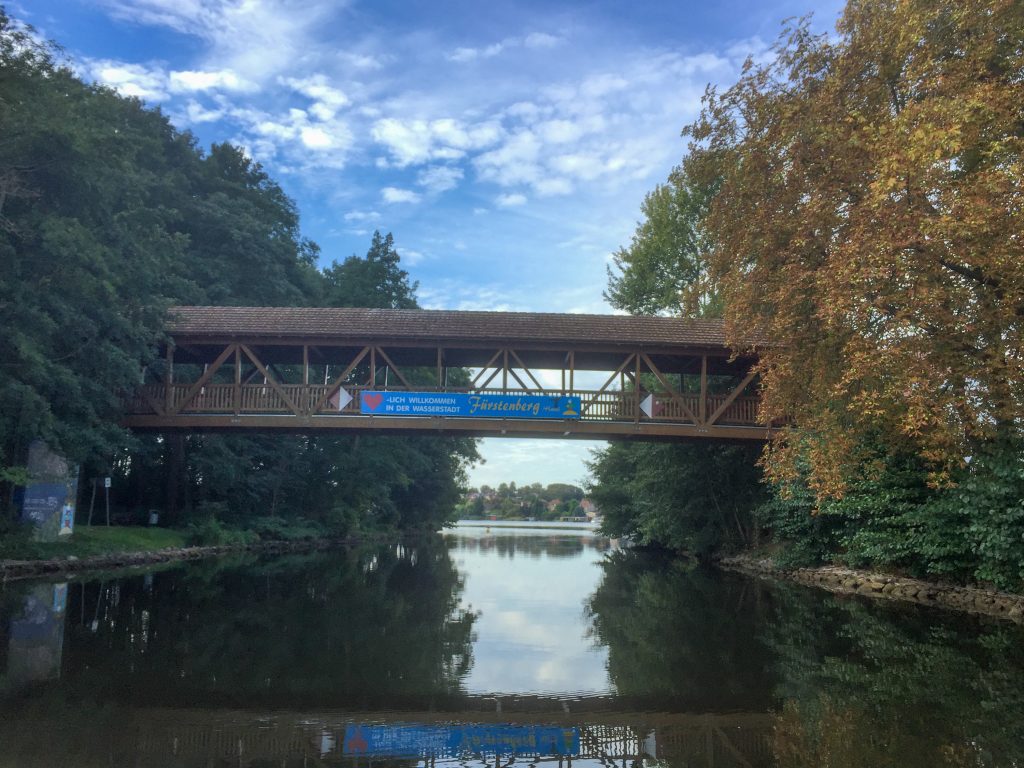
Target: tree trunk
x=175, y=469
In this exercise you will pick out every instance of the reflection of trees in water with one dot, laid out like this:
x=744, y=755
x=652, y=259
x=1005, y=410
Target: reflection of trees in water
x=854, y=683
x=530, y=545
x=685, y=638
x=342, y=628
x=890, y=685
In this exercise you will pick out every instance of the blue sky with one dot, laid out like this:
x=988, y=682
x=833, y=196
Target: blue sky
x=507, y=146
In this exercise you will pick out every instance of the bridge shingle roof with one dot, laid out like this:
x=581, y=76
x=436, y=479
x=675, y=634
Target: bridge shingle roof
x=342, y=323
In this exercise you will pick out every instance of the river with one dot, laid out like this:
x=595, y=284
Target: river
x=491, y=645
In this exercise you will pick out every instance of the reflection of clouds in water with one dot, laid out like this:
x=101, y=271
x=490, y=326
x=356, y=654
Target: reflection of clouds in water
x=531, y=634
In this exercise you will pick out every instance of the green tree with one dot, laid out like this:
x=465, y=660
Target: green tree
x=696, y=499
x=88, y=244
x=689, y=497
x=108, y=216
x=665, y=267
x=374, y=281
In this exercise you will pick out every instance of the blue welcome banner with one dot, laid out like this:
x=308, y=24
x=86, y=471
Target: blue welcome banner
x=470, y=405
x=415, y=740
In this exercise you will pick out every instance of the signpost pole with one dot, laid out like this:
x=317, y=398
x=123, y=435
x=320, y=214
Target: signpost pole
x=92, y=502
x=106, y=487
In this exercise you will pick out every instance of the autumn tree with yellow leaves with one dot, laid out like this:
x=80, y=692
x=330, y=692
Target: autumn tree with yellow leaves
x=870, y=222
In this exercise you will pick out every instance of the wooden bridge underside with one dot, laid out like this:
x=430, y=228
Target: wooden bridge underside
x=209, y=380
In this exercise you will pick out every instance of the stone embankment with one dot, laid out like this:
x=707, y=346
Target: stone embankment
x=849, y=581
x=24, y=569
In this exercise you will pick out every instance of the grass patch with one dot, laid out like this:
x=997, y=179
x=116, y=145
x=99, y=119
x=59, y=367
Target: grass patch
x=97, y=540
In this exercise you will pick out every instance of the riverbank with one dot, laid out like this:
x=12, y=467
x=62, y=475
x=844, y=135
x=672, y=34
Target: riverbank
x=11, y=570
x=850, y=581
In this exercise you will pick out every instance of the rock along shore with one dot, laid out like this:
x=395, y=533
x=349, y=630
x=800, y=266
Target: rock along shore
x=27, y=569
x=1003, y=605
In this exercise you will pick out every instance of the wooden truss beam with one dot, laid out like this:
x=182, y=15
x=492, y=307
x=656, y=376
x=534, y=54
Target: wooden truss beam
x=272, y=381
x=732, y=396
x=333, y=386
x=526, y=370
x=484, y=370
x=625, y=364
x=394, y=369
x=675, y=396
x=203, y=380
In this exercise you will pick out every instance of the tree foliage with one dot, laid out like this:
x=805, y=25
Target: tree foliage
x=665, y=267
x=868, y=222
x=892, y=519
x=695, y=497
x=108, y=216
x=692, y=498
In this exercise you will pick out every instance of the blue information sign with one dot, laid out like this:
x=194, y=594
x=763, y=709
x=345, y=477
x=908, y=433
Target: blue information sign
x=460, y=404
x=415, y=740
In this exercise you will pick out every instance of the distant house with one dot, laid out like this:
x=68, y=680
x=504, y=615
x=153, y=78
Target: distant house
x=589, y=509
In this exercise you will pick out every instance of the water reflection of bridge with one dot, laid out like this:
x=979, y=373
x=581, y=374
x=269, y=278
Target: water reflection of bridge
x=195, y=737
x=506, y=542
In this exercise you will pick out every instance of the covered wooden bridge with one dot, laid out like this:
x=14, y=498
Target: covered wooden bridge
x=472, y=373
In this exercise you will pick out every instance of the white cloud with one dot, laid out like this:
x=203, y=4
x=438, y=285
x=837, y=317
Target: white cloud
x=418, y=141
x=517, y=161
x=187, y=81
x=253, y=38
x=407, y=142
x=510, y=201
x=360, y=60
x=196, y=113
x=147, y=82
x=535, y=40
x=541, y=40
x=362, y=216
x=439, y=178
x=555, y=186
x=560, y=131
x=462, y=55
x=529, y=461
x=410, y=257
x=315, y=137
x=293, y=137
x=397, y=195
x=327, y=99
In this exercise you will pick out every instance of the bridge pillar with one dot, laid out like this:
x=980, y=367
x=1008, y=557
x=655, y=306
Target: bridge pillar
x=48, y=500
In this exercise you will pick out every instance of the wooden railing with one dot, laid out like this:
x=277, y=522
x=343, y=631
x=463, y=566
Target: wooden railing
x=607, y=405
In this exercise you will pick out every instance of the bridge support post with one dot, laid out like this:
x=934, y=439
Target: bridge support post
x=237, y=394
x=169, y=379
x=51, y=493
x=636, y=390
x=703, y=415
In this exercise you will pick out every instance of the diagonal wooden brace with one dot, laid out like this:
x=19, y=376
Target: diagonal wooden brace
x=668, y=389
x=482, y=371
x=732, y=396
x=333, y=386
x=625, y=364
x=271, y=380
x=229, y=350
x=394, y=368
x=526, y=370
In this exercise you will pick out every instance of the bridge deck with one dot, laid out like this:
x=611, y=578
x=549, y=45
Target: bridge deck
x=283, y=368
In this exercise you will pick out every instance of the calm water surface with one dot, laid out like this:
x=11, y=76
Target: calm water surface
x=489, y=646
